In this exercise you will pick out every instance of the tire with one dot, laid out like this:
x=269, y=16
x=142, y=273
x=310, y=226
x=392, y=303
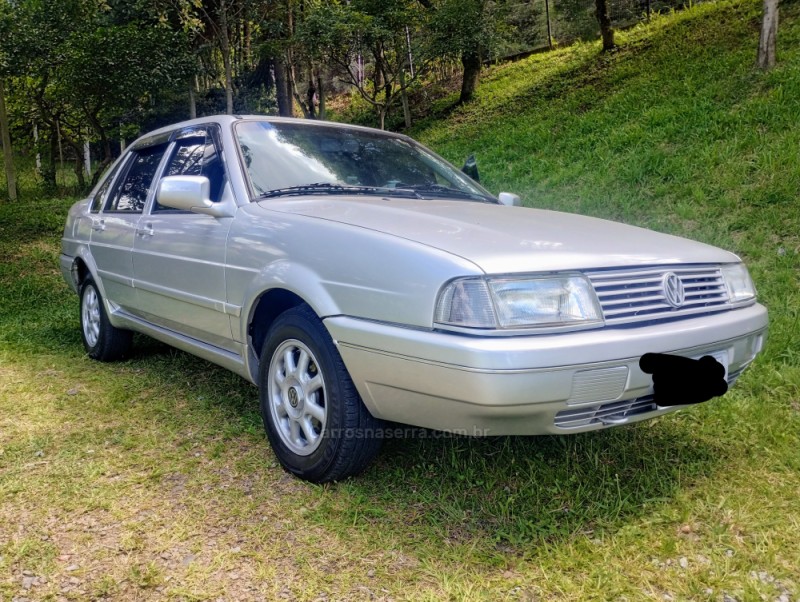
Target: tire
x=102, y=341
x=315, y=420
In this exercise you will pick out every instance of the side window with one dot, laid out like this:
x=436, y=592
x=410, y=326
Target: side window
x=197, y=156
x=102, y=193
x=131, y=194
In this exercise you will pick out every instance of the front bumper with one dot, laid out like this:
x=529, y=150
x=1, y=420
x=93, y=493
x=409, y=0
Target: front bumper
x=526, y=385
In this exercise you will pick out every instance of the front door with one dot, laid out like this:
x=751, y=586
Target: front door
x=179, y=256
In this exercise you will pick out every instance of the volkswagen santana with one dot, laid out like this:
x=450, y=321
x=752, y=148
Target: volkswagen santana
x=357, y=278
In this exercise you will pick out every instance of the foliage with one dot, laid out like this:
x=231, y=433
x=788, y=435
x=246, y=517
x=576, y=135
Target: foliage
x=368, y=43
x=81, y=67
x=107, y=70
x=97, y=75
x=460, y=26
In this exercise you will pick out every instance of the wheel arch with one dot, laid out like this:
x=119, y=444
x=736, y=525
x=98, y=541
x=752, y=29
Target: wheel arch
x=281, y=285
x=83, y=266
x=79, y=272
x=264, y=310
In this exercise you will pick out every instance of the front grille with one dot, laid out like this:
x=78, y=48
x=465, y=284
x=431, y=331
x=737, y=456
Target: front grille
x=630, y=295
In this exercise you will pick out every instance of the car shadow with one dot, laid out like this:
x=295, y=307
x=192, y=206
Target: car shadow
x=503, y=493
x=514, y=491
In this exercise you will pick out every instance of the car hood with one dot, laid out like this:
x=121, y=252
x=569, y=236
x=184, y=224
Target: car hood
x=501, y=239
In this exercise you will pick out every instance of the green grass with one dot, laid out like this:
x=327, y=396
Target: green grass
x=151, y=478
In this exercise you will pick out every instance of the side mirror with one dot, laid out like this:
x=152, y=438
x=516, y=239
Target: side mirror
x=190, y=193
x=510, y=199
x=471, y=168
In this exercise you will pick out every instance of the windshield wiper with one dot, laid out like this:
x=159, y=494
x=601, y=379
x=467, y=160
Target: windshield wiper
x=440, y=190
x=331, y=188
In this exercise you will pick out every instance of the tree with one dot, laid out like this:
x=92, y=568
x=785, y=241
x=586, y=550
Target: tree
x=5, y=136
x=305, y=64
x=8, y=157
x=464, y=30
x=90, y=65
x=91, y=79
x=604, y=19
x=218, y=18
x=366, y=42
x=769, y=33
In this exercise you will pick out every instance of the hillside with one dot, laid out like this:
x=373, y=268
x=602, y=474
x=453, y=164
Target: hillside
x=677, y=115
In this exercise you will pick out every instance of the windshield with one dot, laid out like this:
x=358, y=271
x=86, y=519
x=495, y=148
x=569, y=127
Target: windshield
x=291, y=158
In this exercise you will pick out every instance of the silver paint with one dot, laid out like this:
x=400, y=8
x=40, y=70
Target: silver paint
x=371, y=268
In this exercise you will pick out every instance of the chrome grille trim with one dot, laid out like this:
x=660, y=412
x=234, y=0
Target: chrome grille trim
x=607, y=413
x=629, y=295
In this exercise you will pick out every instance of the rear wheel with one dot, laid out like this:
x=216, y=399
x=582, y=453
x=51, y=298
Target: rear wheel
x=102, y=340
x=314, y=418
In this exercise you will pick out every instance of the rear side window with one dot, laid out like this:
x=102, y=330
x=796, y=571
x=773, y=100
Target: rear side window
x=197, y=156
x=102, y=193
x=131, y=194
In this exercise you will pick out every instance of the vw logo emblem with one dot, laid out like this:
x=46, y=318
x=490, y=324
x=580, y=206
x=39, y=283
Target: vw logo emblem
x=674, y=294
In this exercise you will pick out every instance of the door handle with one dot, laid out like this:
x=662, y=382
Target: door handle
x=98, y=225
x=146, y=230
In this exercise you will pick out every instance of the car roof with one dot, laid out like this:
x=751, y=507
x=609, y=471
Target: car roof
x=227, y=120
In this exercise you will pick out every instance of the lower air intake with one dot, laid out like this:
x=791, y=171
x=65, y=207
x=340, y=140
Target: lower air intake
x=615, y=412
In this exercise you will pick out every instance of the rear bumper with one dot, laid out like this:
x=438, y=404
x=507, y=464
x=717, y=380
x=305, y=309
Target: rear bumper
x=528, y=385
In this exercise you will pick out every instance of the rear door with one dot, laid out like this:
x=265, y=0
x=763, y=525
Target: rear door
x=179, y=256
x=114, y=227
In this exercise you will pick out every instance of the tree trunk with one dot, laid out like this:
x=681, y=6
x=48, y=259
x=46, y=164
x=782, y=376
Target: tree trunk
x=36, y=147
x=388, y=97
x=5, y=135
x=306, y=104
x=263, y=74
x=237, y=47
x=87, y=157
x=226, y=59
x=248, y=54
x=311, y=92
x=604, y=19
x=321, y=95
x=290, y=91
x=79, y=166
x=471, y=61
x=549, y=27
x=769, y=34
x=281, y=89
x=49, y=171
x=404, y=99
x=98, y=128
x=289, y=60
x=225, y=49
x=192, y=103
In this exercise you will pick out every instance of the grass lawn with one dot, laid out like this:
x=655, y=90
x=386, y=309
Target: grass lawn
x=152, y=479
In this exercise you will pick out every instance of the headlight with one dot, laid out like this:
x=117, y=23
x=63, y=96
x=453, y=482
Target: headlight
x=518, y=303
x=738, y=281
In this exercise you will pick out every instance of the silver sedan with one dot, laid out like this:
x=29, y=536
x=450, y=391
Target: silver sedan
x=359, y=279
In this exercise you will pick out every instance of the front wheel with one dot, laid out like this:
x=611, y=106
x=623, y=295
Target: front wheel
x=314, y=418
x=102, y=340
